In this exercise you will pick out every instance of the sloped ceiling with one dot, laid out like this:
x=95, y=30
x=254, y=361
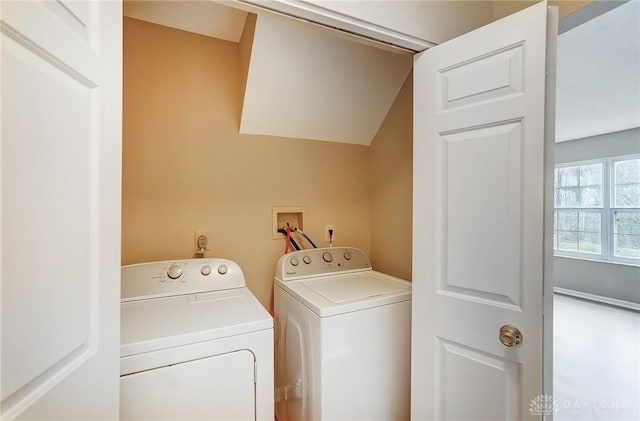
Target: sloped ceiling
x=598, y=75
x=310, y=83
x=303, y=81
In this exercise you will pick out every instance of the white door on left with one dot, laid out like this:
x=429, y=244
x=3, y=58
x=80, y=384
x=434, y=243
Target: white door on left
x=60, y=161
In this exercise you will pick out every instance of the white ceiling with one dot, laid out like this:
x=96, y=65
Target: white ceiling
x=309, y=83
x=201, y=17
x=598, y=79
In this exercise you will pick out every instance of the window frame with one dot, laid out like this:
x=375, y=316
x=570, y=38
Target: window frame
x=613, y=210
x=567, y=253
x=607, y=212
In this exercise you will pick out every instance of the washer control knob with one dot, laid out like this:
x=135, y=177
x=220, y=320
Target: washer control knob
x=205, y=270
x=327, y=257
x=294, y=261
x=222, y=269
x=347, y=255
x=306, y=259
x=174, y=271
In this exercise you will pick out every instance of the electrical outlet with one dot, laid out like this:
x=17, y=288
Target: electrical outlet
x=197, y=234
x=326, y=233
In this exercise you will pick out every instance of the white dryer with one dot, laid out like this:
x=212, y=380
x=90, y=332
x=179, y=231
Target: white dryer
x=343, y=338
x=195, y=343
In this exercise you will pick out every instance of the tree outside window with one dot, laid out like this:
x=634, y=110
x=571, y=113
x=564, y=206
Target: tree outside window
x=597, y=209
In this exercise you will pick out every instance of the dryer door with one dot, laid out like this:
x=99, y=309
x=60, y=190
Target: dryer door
x=220, y=387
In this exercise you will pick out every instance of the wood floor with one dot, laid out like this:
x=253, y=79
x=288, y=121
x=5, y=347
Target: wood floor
x=596, y=361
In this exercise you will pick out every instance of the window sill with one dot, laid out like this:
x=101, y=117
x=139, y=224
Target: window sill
x=610, y=262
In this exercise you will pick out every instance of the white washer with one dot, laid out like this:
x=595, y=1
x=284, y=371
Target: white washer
x=195, y=343
x=343, y=338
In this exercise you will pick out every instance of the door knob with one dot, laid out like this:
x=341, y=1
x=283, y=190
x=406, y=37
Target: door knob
x=510, y=336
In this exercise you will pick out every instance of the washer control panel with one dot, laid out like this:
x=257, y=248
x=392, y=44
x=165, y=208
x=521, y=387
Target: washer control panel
x=322, y=261
x=178, y=277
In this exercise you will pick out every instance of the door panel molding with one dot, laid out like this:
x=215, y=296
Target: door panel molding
x=496, y=401
x=495, y=74
x=53, y=202
x=478, y=161
x=47, y=56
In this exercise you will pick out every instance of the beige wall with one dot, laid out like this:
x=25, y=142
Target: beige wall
x=185, y=166
x=502, y=8
x=391, y=193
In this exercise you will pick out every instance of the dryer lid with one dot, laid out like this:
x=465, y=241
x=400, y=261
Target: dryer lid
x=168, y=322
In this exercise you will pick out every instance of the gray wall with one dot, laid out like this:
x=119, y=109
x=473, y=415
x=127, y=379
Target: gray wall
x=612, y=280
x=603, y=146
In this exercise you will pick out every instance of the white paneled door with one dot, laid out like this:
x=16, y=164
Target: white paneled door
x=60, y=208
x=479, y=217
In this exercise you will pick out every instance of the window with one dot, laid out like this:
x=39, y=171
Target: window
x=597, y=209
x=626, y=208
x=578, y=203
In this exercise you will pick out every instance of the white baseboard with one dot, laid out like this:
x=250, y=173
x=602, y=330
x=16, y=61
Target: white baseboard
x=606, y=300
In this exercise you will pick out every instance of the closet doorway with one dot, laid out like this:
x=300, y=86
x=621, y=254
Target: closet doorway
x=597, y=215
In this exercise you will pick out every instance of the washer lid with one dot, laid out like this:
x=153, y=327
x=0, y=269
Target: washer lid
x=161, y=323
x=350, y=288
x=337, y=294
